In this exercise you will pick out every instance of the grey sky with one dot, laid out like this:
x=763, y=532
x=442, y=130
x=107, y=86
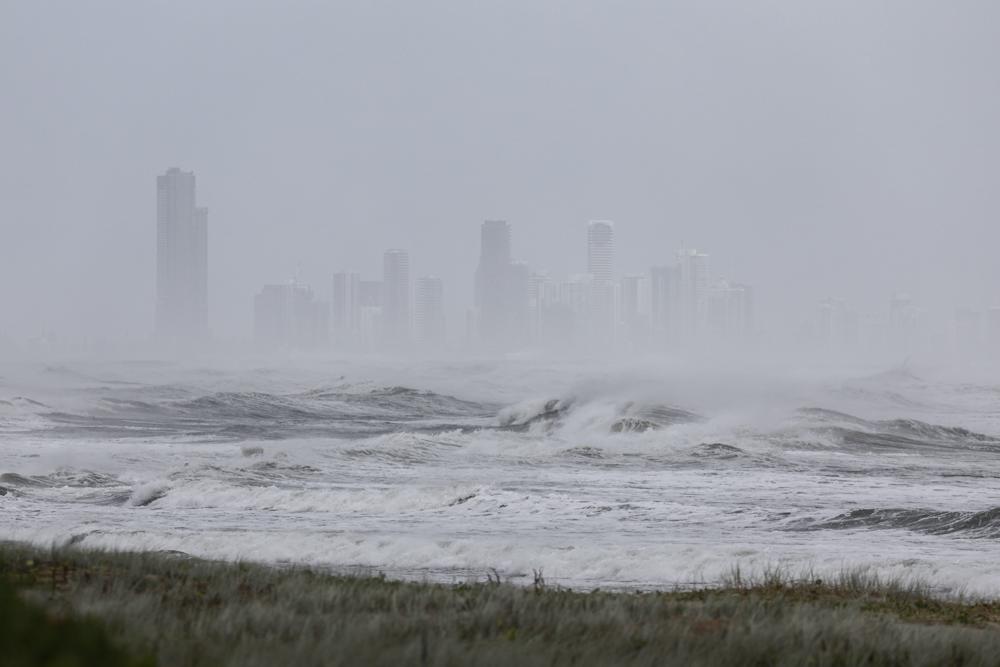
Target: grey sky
x=845, y=148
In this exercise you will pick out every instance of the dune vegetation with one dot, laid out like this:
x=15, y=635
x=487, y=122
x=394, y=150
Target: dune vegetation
x=74, y=607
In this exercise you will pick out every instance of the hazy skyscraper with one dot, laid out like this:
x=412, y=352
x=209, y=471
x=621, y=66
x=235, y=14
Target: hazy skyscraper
x=396, y=297
x=181, y=259
x=693, y=267
x=494, y=284
x=601, y=267
x=601, y=250
x=429, y=320
x=664, y=304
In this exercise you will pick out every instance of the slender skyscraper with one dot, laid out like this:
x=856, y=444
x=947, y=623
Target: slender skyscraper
x=181, y=259
x=396, y=297
x=494, y=289
x=601, y=267
x=601, y=250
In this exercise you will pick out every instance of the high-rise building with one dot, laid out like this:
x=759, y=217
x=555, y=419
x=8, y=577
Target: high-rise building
x=694, y=291
x=601, y=250
x=634, y=309
x=429, y=319
x=493, y=288
x=287, y=316
x=370, y=293
x=370, y=313
x=518, y=294
x=396, y=297
x=181, y=259
x=601, y=267
x=541, y=294
x=664, y=304
x=345, y=308
x=730, y=310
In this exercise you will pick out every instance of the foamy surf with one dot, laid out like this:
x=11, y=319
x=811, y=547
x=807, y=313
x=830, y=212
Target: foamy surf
x=629, y=480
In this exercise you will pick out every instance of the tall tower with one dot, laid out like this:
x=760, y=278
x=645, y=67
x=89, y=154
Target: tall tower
x=396, y=297
x=601, y=267
x=429, y=320
x=181, y=259
x=494, y=289
x=601, y=250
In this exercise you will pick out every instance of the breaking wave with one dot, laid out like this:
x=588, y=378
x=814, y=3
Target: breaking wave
x=334, y=411
x=982, y=524
x=903, y=435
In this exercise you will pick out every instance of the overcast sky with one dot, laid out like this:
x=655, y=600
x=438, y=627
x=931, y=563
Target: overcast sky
x=840, y=148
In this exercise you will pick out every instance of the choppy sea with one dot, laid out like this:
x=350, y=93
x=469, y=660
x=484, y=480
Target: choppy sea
x=612, y=476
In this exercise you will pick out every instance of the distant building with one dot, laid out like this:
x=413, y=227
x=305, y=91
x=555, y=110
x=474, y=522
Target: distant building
x=370, y=313
x=693, y=267
x=287, y=316
x=181, y=259
x=601, y=250
x=494, y=291
x=836, y=324
x=396, y=298
x=370, y=293
x=345, y=309
x=601, y=267
x=518, y=316
x=538, y=284
x=730, y=310
x=634, y=302
x=664, y=304
x=430, y=319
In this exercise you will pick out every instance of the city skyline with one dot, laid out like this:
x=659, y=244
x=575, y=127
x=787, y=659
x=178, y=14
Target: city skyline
x=862, y=166
x=603, y=310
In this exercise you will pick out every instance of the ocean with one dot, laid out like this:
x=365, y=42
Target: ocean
x=638, y=475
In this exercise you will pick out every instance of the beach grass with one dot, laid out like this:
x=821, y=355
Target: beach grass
x=169, y=609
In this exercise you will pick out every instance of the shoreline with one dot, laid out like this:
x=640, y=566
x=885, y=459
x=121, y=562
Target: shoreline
x=178, y=610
